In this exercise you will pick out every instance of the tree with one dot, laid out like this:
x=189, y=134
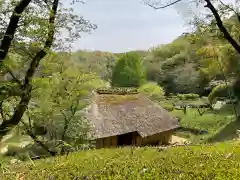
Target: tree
x=175, y=66
x=11, y=29
x=219, y=12
x=153, y=90
x=38, y=31
x=60, y=97
x=221, y=91
x=215, y=13
x=129, y=71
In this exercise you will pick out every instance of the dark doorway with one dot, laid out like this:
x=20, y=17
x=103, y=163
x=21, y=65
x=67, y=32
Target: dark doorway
x=125, y=139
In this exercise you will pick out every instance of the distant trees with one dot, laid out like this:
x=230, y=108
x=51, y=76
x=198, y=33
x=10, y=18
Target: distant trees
x=129, y=71
x=219, y=30
x=175, y=66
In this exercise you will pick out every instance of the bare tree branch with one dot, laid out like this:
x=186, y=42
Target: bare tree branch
x=160, y=7
x=216, y=15
x=229, y=7
x=36, y=140
x=221, y=26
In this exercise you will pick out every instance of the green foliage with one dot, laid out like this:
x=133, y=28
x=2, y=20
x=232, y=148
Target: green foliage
x=153, y=90
x=58, y=98
x=168, y=107
x=128, y=71
x=222, y=91
x=98, y=62
x=194, y=162
x=38, y=31
x=175, y=66
x=191, y=61
x=211, y=122
x=181, y=79
x=236, y=87
x=188, y=96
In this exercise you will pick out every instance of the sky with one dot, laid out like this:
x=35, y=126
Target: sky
x=125, y=25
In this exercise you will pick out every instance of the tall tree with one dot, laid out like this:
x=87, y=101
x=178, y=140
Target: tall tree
x=39, y=31
x=60, y=95
x=26, y=86
x=128, y=71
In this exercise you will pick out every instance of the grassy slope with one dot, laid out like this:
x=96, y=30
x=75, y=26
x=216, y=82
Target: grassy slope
x=221, y=161
x=193, y=162
x=212, y=122
x=219, y=124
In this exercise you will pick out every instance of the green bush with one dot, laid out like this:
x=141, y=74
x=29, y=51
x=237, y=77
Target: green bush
x=188, y=96
x=152, y=90
x=218, y=161
x=129, y=71
x=220, y=91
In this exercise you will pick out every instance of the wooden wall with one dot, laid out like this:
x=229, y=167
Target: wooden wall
x=106, y=142
x=161, y=138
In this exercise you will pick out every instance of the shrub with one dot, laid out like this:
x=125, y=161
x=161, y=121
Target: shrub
x=188, y=96
x=153, y=90
x=220, y=161
x=220, y=91
x=129, y=71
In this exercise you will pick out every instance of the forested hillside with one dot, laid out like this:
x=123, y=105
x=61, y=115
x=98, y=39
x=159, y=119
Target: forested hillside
x=190, y=63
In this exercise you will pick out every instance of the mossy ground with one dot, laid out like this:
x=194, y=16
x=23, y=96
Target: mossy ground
x=118, y=99
x=219, y=161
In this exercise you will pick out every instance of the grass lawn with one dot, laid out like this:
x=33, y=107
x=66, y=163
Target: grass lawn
x=219, y=125
x=219, y=161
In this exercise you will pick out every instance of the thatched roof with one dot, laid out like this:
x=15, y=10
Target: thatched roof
x=119, y=113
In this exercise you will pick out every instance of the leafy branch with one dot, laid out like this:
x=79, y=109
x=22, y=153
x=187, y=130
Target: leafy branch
x=26, y=88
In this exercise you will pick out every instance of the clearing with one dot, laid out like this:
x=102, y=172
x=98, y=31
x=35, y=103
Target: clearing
x=215, y=125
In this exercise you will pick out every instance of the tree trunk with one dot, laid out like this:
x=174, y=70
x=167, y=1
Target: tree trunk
x=36, y=140
x=7, y=125
x=11, y=29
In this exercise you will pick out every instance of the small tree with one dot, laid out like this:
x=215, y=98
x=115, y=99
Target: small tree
x=54, y=119
x=129, y=71
x=152, y=90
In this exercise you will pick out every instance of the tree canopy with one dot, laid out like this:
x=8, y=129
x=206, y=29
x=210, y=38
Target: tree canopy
x=129, y=71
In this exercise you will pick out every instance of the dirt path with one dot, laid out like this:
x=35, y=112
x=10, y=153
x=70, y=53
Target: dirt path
x=179, y=140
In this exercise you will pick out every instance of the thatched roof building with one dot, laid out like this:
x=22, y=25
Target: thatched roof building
x=117, y=113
